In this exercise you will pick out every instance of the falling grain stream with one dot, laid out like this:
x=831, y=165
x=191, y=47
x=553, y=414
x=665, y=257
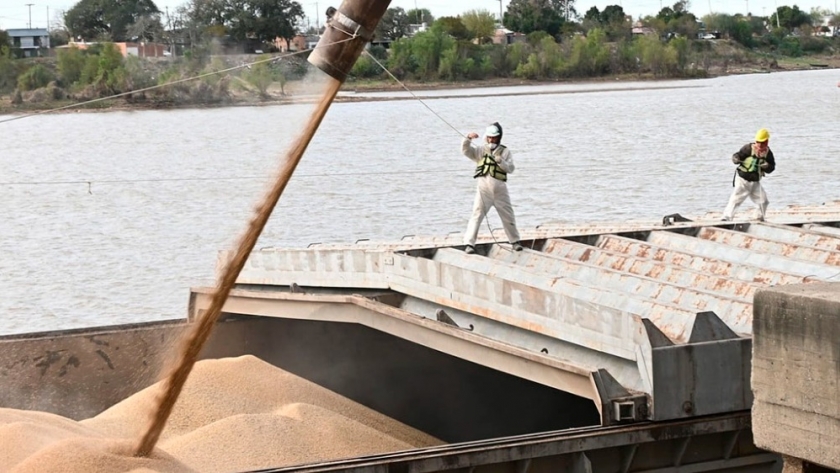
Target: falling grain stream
x=195, y=339
x=348, y=30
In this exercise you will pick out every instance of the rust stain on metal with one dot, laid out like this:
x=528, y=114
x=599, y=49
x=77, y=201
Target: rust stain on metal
x=618, y=264
x=655, y=271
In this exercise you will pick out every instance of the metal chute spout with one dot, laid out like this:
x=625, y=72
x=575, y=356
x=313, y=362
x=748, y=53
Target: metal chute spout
x=349, y=29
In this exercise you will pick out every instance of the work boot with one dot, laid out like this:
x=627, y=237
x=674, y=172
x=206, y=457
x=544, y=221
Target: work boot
x=517, y=246
x=470, y=250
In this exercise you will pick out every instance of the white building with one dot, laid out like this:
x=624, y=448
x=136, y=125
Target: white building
x=29, y=40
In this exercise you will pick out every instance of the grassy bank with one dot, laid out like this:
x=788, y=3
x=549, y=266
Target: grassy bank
x=270, y=83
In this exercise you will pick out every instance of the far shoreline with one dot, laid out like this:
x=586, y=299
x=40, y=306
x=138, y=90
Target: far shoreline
x=385, y=86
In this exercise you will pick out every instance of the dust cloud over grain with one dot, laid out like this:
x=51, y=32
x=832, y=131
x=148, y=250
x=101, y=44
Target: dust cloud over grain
x=234, y=414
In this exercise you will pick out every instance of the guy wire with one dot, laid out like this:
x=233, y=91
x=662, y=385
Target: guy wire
x=484, y=204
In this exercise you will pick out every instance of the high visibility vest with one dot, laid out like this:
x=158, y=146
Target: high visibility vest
x=488, y=165
x=751, y=164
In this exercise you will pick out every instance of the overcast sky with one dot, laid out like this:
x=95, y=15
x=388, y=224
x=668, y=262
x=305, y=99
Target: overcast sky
x=15, y=13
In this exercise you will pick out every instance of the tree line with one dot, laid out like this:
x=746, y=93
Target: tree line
x=197, y=22
x=558, y=43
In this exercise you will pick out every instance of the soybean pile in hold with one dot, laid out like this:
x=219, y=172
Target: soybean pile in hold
x=235, y=414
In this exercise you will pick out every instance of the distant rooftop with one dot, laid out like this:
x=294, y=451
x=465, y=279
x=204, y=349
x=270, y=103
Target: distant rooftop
x=20, y=32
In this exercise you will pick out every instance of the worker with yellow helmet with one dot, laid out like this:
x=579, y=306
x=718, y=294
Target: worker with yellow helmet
x=754, y=161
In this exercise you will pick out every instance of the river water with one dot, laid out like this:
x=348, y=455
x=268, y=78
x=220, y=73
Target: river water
x=75, y=255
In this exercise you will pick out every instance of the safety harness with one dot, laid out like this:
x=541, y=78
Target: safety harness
x=488, y=165
x=749, y=168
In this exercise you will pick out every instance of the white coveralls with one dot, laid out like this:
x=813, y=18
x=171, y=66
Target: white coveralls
x=491, y=192
x=756, y=163
x=743, y=189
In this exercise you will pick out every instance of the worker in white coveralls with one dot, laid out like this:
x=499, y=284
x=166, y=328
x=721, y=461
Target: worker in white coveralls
x=493, y=164
x=754, y=161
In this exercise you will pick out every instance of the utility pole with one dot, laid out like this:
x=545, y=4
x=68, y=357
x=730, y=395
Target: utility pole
x=169, y=33
x=48, y=18
x=748, y=7
x=317, y=18
x=30, y=14
x=500, y=13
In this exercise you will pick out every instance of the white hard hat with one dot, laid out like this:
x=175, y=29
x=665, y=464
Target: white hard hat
x=492, y=130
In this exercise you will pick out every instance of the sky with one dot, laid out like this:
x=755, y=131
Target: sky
x=15, y=13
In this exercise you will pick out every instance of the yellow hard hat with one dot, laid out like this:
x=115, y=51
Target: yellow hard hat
x=762, y=135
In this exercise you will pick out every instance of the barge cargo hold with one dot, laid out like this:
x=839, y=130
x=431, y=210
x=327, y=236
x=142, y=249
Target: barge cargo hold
x=610, y=347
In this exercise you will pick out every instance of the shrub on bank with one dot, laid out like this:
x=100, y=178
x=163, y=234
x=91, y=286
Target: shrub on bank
x=70, y=62
x=34, y=78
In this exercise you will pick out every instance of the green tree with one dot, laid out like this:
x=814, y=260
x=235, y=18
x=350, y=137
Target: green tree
x=593, y=14
x=742, y=33
x=59, y=37
x=685, y=26
x=564, y=8
x=792, y=17
x=104, y=69
x=427, y=47
x=8, y=69
x=93, y=19
x=198, y=20
x=681, y=48
x=612, y=20
x=454, y=26
x=657, y=24
x=516, y=54
x=420, y=15
x=590, y=55
x=261, y=76
x=527, y=16
x=721, y=22
x=481, y=24
x=546, y=61
x=655, y=56
x=393, y=24
x=5, y=39
x=35, y=77
x=71, y=62
x=672, y=13
x=264, y=19
x=145, y=28
x=365, y=68
x=401, y=62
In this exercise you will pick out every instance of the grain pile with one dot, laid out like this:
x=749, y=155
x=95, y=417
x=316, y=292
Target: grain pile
x=234, y=414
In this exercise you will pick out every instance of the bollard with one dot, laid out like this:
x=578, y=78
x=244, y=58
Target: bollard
x=349, y=29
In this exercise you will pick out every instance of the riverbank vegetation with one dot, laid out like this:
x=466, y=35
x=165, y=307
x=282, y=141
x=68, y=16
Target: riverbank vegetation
x=463, y=50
